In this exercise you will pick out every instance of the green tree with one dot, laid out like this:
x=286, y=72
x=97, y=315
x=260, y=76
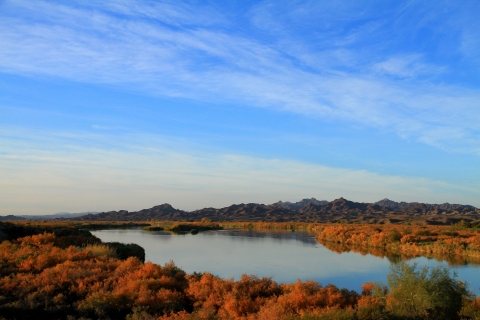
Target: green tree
x=426, y=293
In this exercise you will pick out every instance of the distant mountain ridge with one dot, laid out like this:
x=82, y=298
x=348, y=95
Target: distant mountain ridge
x=11, y=217
x=163, y=210
x=308, y=210
x=410, y=205
x=58, y=215
x=47, y=216
x=298, y=205
x=305, y=210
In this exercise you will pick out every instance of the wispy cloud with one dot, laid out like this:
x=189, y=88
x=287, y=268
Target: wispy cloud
x=46, y=174
x=407, y=66
x=178, y=50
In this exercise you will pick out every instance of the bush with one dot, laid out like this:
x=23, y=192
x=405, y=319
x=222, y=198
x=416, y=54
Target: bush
x=332, y=314
x=449, y=233
x=394, y=236
x=424, y=294
x=124, y=251
x=101, y=250
x=423, y=233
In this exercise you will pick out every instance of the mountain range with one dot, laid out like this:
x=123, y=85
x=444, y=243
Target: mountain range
x=46, y=216
x=307, y=210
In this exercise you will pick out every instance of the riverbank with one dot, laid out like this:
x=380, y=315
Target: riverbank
x=455, y=243
x=42, y=278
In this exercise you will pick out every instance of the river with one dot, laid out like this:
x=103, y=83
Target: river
x=284, y=256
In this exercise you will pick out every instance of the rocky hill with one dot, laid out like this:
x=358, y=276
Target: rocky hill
x=298, y=205
x=308, y=210
x=11, y=217
x=163, y=211
x=416, y=207
x=45, y=216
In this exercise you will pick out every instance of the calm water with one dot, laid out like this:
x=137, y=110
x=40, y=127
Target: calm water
x=285, y=256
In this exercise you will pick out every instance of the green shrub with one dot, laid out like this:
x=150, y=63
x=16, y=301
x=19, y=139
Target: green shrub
x=124, y=251
x=394, y=236
x=333, y=314
x=407, y=230
x=423, y=233
x=449, y=233
x=428, y=293
x=100, y=250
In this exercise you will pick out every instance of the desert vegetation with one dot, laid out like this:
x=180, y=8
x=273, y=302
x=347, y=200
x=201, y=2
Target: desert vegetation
x=454, y=243
x=206, y=224
x=269, y=225
x=183, y=226
x=57, y=271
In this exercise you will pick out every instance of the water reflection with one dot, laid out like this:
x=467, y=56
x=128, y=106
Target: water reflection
x=395, y=257
x=274, y=236
x=286, y=256
x=244, y=235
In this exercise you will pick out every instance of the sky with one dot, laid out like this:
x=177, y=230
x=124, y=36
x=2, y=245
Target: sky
x=111, y=105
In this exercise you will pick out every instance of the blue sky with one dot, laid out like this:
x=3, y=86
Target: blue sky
x=112, y=105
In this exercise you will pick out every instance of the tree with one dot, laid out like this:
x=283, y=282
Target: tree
x=428, y=293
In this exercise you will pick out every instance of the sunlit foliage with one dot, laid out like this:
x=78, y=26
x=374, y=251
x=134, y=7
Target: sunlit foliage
x=409, y=241
x=41, y=277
